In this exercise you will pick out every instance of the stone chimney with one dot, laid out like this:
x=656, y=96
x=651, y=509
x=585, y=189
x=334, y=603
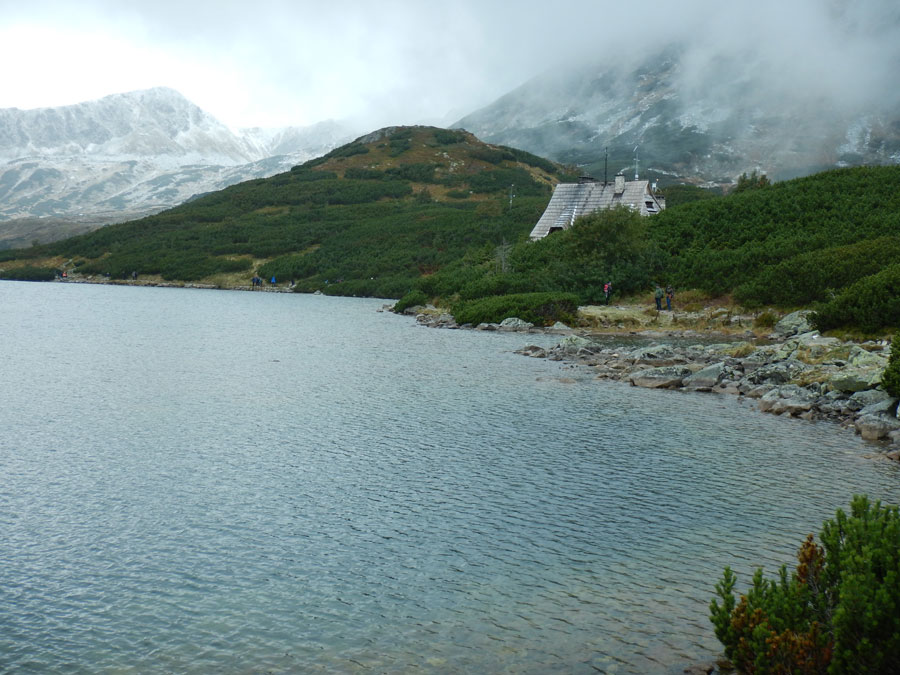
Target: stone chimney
x=620, y=184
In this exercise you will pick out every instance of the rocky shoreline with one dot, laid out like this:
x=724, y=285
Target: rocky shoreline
x=793, y=371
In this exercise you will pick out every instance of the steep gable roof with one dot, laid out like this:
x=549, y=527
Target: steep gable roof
x=573, y=200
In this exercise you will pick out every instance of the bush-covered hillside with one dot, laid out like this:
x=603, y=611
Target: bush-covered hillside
x=438, y=212
x=368, y=218
x=790, y=243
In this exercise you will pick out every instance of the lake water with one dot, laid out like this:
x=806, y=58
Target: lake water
x=201, y=481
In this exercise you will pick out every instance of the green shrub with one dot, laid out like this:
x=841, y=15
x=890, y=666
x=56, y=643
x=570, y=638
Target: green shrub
x=890, y=380
x=449, y=136
x=411, y=299
x=871, y=304
x=541, y=309
x=29, y=273
x=839, y=612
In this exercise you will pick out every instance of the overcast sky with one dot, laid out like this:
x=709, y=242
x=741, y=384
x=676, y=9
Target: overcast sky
x=377, y=62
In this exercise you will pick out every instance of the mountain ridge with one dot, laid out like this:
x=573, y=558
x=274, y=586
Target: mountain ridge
x=131, y=154
x=708, y=122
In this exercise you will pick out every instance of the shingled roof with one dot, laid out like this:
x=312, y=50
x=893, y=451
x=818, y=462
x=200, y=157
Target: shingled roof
x=572, y=200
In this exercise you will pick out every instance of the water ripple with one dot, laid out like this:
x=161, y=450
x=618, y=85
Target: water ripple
x=343, y=491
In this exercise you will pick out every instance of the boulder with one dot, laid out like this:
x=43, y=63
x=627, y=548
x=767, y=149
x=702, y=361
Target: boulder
x=869, y=396
x=660, y=378
x=794, y=323
x=789, y=399
x=487, y=326
x=855, y=379
x=654, y=353
x=776, y=373
x=572, y=343
x=886, y=406
x=514, y=323
x=533, y=350
x=707, y=378
x=860, y=358
x=874, y=427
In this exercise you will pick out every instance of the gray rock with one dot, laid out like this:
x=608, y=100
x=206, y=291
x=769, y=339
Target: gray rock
x=776, y=373
x=660, y=378
x=559, y=326
x=487, y=326
x=789, y=399
x=706, y=378
x=653, y=353
x=869, y=396
x=887, y=406
x=860, y=358
x=757, y=391
x=794, y=323
x=855, y=379
x=514, y=323
x=874, y=427
x=572, y=343
x=533, y=351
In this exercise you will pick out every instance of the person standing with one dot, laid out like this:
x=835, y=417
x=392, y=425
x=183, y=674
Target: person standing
x=607, y=289
x=670, y=295
x=658, y=296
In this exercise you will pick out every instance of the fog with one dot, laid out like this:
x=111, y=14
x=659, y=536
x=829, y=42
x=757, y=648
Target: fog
x=277, y=62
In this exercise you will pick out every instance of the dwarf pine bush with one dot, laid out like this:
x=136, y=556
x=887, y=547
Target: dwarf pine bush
x=838, y=612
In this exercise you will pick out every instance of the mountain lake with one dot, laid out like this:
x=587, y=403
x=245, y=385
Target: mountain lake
x=200, y=481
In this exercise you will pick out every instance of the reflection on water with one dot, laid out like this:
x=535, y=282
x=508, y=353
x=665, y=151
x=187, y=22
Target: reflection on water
x=199, y=481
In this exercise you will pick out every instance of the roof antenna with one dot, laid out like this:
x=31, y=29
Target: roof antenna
x=605, y=164
x=636, y=162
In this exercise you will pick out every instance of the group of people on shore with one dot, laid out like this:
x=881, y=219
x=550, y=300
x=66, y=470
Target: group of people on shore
x=658, y=295
x=257, y=281
x=668, y=294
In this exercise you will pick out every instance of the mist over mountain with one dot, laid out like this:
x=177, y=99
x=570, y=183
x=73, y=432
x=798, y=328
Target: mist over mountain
x=708, y=101
x=132, y=154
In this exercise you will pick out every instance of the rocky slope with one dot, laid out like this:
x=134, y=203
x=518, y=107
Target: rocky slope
x=709, y=121
x=132, y=154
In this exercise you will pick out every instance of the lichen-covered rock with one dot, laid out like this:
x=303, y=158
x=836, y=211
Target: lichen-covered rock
x=855, y=379
x=779, y=372
x=572, y=343
x=514, y=323
x=707, y=378
x=886, y=407
x=870, y=396
x=860, y=358
x=794, y=323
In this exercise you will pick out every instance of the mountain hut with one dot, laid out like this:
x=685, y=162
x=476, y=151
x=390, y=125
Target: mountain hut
x=572, y=200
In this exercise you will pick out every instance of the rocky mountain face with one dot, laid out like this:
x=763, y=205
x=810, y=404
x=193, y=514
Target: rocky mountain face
x=704, y=121
x=129, y=155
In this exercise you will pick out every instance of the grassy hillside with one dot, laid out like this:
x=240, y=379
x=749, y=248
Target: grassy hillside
x=369, y=218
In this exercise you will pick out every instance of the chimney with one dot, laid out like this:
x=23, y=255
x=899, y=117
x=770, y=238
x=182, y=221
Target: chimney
x=620, y=184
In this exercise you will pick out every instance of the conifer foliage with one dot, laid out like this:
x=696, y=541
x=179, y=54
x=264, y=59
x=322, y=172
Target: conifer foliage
x=838, y=612
x=890, y=380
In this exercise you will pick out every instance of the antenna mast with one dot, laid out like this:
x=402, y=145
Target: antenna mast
x=636, y=162
x=605, y=164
